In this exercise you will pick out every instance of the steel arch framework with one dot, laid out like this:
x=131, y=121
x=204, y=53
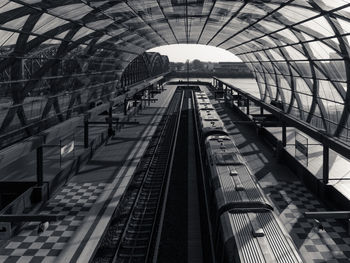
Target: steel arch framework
x=298, y=50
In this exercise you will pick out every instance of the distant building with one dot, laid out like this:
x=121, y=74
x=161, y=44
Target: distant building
x=210, y=69
x=226, y=67
x=209, y=66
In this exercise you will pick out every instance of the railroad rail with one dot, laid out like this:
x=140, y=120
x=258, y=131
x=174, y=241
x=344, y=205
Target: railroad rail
x=131, y=234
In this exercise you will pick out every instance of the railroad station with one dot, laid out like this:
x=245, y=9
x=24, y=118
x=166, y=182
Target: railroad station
x=110, y=152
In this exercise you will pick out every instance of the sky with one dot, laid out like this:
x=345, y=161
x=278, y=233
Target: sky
x=182, y=52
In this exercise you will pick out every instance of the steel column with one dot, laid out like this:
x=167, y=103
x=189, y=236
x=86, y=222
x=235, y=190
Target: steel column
x=86, y=133
x=248, y=109
x=110, y=122
x=325, y=164
x=39, y=166
x=125, y=105
x=284, y=134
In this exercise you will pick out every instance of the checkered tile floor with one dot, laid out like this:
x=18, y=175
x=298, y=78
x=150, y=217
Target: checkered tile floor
x=329, y=245
x=73, y=201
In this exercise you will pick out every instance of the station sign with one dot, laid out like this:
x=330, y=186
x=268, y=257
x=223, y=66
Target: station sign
x=301, y=148
x=67, y=148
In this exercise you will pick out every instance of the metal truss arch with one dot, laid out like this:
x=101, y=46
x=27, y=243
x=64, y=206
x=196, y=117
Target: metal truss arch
x=298, y=51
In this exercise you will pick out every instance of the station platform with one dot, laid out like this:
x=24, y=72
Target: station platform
x=339, y=167
x=287, y=193
x=52, y=163
x=88, y=200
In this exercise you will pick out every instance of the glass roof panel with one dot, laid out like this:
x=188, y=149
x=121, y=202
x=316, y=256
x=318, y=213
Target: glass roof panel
x=331, y=4
x=293, y=14
x=322, y=51
x=345, y=25
x=287, y=33
x=294, y=54
x=320, y=25
x=16, y=24
x=72, y=12
x=8, y=38
x=8, y=6
x=48, y=22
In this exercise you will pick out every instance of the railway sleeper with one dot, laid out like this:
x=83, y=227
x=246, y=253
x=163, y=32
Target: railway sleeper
x=157, y=179
x=143, y=238
x=135, y=246
x=127, y=209
x=136, y=240
x=150, y=205
x=154, y=177
x=142, y=202
x=127, y=253
x=152, y=185
x=147, y=195
x=144, y=213
x=149, y=198
x=139, y=231
x=141, y=213
x=137, y=223
x=151, y=191
x=156, y=171
x=147, y=220
x=144, y=220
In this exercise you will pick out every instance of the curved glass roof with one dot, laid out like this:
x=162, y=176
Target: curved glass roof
x=297, y=49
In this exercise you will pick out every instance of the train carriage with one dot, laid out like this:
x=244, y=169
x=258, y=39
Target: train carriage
x=205, y=106
x=252, y=237
x=202, y=100
x=245, y=227
x=232, y=185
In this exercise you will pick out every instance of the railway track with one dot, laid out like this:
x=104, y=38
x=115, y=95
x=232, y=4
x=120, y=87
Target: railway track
x=188, y=238
x=131, y=234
